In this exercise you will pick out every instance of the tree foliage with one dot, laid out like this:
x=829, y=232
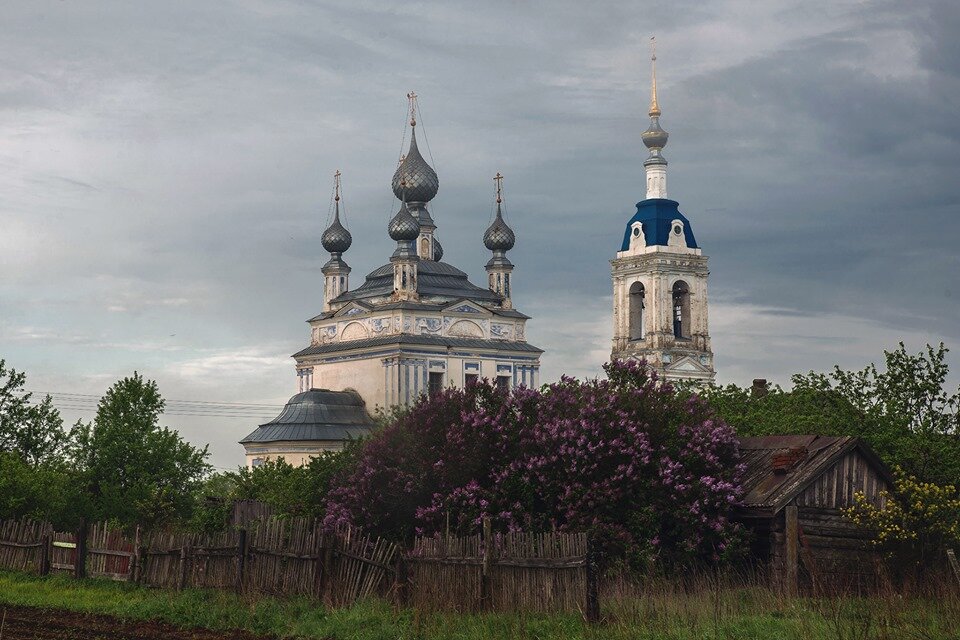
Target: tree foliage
x=32, y=431
x=903, y=411
x=917, y=520
x=134, y=470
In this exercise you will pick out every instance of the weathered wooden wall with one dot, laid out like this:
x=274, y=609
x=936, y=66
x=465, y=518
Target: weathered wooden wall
x=833, y=554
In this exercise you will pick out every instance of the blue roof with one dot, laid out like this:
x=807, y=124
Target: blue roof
x=656, y=214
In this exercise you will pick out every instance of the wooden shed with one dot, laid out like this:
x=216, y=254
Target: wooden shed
x=795, y=488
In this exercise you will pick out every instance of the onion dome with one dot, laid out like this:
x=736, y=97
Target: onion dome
x=499, y=236
x=403, y=226
x=336, y=238
x=414, y=180
x=654, y=137
x=420, y=178
x=437, y=250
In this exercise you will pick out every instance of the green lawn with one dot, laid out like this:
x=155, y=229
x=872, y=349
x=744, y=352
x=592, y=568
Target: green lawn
x=708, y=615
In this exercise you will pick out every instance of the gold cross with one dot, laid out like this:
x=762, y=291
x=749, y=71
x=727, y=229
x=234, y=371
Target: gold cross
x=499, y=180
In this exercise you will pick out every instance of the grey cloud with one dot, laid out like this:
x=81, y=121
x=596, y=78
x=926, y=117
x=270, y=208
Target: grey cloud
x=184, y=151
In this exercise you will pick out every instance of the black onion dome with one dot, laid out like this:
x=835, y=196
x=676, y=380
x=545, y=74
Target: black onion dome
x=437, y=249
x=415, y=180
x=403, y=226
x=336, y=238
x=499, y=236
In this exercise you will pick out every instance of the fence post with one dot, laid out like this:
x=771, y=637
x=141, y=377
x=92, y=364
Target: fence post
x=593, y=582
x=46, y=544
x=403, y=580
x=241, y=558
x=135, y=560
x=485, y=570
x=326, y=564
x=184, y=559
x=80, y=564
x=791, y=551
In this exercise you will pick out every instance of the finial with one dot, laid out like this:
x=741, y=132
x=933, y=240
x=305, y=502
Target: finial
x=412, y=97
x=499, y=180
x=336, y=186
x=654, y=107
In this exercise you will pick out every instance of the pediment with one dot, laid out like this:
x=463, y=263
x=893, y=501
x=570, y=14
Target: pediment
x=352, y=309
x=687, y=364
x=466, y=307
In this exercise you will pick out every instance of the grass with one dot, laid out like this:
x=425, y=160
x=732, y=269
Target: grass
x=710, y=612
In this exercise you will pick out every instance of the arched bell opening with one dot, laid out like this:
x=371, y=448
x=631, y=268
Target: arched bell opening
x=681, y=310
x=637, y=311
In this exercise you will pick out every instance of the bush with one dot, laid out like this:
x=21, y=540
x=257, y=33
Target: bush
x=649, y=471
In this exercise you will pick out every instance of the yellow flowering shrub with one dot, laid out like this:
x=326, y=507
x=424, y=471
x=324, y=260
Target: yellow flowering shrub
x=922, y=516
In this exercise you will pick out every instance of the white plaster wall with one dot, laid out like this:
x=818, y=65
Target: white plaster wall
x=366, y=377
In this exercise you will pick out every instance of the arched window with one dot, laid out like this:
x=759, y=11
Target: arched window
x=681, y=310
x=637, y=305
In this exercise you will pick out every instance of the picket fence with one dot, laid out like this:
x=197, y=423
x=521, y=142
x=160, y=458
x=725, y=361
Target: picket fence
x=525, y=572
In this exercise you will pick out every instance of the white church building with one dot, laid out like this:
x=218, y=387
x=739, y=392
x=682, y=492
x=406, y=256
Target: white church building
x=414, y=326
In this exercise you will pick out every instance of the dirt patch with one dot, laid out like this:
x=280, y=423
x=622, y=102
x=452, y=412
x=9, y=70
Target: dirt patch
x=22, y=623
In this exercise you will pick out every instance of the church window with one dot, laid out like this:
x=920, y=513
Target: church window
x=257, y=462
x=681, y=310
x=503, y=383
x=424, y=247
x=435, y=382
x=506, y=285
x=677, y=229
x=637, y=309
x=470, y=378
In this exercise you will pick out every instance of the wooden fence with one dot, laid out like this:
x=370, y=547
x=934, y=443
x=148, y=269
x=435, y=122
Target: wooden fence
x=531, y=572
x=506, y=572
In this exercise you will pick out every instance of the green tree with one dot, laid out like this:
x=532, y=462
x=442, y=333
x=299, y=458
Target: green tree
x=903, y=411
x=134, y=470
x=291, y=491
x=33, y=431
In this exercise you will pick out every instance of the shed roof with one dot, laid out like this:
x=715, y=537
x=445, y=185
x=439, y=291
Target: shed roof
x=765, y=489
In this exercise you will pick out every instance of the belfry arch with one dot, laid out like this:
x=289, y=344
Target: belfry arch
x=681, y=310
x=638, y=305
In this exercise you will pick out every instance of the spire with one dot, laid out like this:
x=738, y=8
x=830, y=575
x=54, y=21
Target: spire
x=655, y=138
x=335, y=239
x=499, y=238
x=654, y=107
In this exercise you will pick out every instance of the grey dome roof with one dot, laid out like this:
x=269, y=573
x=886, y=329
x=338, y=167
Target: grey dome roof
x=415, y=180
x=437, y=249
x=317, y=414
x=499, y=236
x=403, y=226
x=336, y=238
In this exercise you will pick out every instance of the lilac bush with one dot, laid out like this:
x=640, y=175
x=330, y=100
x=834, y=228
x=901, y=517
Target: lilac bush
x=650, y=472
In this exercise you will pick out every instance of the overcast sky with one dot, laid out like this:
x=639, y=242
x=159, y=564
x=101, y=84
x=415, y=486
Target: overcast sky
x=166, y=173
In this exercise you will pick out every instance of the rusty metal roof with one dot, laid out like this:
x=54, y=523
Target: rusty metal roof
x=806, y=458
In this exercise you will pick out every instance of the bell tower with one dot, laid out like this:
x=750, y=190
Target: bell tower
x=660, y=276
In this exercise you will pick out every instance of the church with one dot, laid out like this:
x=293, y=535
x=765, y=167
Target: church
x=417, y=324
x=414, y=326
